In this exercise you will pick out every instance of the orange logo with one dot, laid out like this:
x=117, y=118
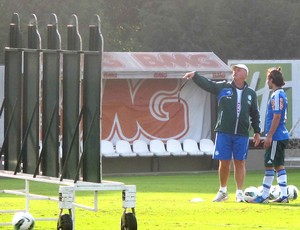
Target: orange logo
x=149, y=108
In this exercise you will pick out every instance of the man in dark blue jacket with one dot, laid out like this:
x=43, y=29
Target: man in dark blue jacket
x=237, y=111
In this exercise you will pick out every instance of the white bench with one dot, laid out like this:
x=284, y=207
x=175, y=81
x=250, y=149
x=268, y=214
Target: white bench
x=292, y=162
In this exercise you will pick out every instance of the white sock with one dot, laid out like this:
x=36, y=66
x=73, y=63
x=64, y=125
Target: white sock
x=267, y=182
x=223, y=189
x=282, y=181
x=238, y=191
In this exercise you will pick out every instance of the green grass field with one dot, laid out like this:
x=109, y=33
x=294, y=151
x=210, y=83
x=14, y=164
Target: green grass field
x=163, y=203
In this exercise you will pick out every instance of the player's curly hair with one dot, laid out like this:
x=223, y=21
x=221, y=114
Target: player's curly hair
x=275, y=75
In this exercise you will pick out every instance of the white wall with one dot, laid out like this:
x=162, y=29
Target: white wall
x=1, y=100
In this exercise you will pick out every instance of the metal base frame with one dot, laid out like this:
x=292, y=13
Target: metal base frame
x=68, y=187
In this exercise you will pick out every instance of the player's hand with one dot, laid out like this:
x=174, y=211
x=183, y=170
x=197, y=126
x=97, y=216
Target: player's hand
x=267, y=142
x=256, y=139
x=189, y=75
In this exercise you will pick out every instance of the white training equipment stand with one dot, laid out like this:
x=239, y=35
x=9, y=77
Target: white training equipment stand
x=67, y=193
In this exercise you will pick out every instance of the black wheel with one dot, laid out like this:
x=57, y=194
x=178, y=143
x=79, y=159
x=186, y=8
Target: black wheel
x=65, y=222
x=128, y=221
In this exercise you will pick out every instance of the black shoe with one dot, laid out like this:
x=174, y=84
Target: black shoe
x=283, y=199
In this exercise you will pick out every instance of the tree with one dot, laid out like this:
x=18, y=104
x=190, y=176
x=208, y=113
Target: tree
x=121, y=24
x=233, y=29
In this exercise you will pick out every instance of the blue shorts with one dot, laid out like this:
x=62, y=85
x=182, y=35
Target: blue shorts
x=230, y=146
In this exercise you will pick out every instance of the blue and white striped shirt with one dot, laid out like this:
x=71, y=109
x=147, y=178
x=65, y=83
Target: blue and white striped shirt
x=278, y=104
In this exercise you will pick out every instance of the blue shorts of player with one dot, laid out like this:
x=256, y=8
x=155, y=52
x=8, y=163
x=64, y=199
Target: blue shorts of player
x=230, y=146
